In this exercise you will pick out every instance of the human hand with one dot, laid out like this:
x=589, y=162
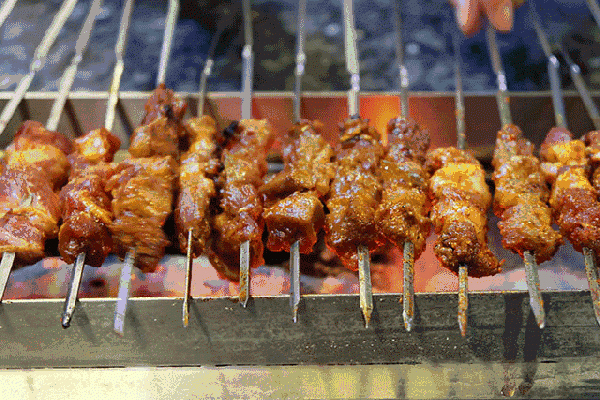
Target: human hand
x=470, y=14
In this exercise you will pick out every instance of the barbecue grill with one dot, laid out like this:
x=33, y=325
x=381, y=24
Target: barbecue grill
x=502, y=331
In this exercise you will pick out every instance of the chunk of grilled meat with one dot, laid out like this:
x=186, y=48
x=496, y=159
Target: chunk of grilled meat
x=521, y=197
x=592, y=152
x=461, y=199
x=402, y=213
x=573, y=199
x=293, y=209
x=244, y=146
x=199, y=165
x=25, y=228
x=164, y=103
x=93, y=148
x=355, y=193
x=42, y=149
x=86, y=203
x=142, y=199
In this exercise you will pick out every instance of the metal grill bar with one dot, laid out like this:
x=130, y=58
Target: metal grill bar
x=39, y=58
x=531, y=267
x=501, y=328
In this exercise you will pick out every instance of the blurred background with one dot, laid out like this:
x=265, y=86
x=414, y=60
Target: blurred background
x=428, y=29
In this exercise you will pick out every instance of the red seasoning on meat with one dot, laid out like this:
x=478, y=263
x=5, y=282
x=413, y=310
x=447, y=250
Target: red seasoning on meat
x=355, y=193
x=402, y=213
x=244, y=147
x=293, y=209
x=461, y=199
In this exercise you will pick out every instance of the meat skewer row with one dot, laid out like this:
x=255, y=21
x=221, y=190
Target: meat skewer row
x=592, y=151
x=86, y=205
x=293, y=210
x=158, y=140
x=34, y=167
x=574, y=199
x=403, y=210
x=199, y=167
x=238, y=217
x=402, y=214
x=36, y=154
x=521, y=202
x=352, y=230
x=571, y=151
x=529, y=184
x=356, y=134
x=142, y=190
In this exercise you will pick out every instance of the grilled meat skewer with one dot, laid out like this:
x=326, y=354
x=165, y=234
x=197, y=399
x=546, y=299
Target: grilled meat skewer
x=461, y=199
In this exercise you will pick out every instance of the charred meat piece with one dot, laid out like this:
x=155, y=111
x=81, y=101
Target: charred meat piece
x=402, y=213
x=142, y=199
x=355, y=193
x=461, y=199
x=573, y=198
x=521, y=197
x=293, y=209
x=164, y=103
x=199, y=165
x=244, y=146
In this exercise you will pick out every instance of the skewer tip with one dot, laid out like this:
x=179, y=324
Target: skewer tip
x=188, y=280
x=463, y=300
x=364, y=280
x=244, y=273
x=533, y=286
x=408, y=295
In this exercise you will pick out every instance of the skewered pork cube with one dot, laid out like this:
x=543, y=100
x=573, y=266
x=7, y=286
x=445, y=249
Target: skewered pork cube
x=164, y=103
x=402, y=213
x=355, y=193
x=460, y=202
x=239, y=219
x=97, y=146
x=521, y=196
x=198, y=166
x=142, y=191
x=293, y=209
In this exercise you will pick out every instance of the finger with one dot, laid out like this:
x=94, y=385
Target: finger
x=500, y=13
x=467, y=15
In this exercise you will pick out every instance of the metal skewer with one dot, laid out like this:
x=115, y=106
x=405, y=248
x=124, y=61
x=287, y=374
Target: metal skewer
x=125, y=279
x=595, y=9
x=247, y=83
x=39, y=58
x=71, y=300
x=299, y=72
x=463, y=273
x=52, y=123
x=189, y=259
x=6, y=9
x=408, y=296
x=364, y=260
x=531, y=269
